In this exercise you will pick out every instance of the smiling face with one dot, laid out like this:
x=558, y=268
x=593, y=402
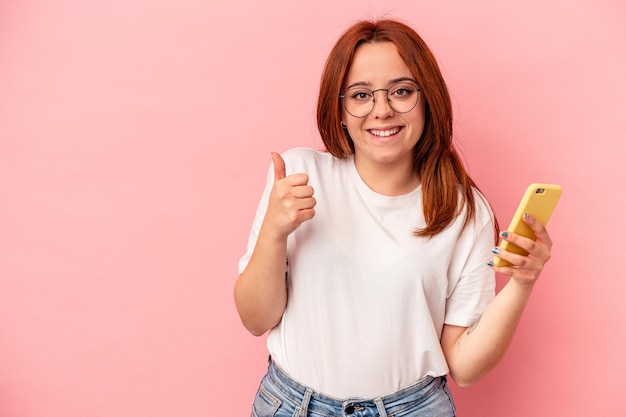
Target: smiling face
x=384, y=136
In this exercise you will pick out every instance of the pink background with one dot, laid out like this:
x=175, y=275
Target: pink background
x=135, y=138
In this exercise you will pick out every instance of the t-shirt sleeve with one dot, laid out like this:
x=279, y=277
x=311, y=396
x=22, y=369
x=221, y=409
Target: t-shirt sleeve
x=471, y=280
x=257, y=221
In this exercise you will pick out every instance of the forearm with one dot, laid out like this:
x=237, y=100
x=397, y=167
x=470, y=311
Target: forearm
x=482, y=345
x=261, y=290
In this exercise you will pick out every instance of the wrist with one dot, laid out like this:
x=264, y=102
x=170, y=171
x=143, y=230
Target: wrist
x=520, y=286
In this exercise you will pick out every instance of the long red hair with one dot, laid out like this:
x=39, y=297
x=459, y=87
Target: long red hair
x=435, y=160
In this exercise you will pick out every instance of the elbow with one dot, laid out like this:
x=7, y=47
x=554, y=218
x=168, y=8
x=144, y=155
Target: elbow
x=257, y=317
x=258, y=327
x=464, y=382
x=250, y=319
x=255, y=330
x=252, y=324
x=466, y=379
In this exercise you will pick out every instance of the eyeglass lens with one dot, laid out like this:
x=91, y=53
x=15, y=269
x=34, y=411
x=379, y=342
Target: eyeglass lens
x=402, y=98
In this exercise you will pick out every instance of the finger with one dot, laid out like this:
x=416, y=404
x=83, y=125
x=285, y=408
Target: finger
x=299, y=212
x=302, y=191
x=300, y=179
x=307, y=203
x=538, y=247
x=279, y=166
x=516, y=260
x=521, y=267
x=519, y=275
x=517, y=243
x=307, y=214
x=295, y=205
x=539, y=229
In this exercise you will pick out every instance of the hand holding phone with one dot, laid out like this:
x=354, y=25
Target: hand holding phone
x=539, y=201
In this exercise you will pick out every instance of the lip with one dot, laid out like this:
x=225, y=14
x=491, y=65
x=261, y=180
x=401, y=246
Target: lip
x=384, y=132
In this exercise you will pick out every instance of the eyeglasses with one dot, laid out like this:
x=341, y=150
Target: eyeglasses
x=359, y=101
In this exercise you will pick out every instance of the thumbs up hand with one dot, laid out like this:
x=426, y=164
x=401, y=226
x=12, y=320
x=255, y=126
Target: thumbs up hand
x=291, y=200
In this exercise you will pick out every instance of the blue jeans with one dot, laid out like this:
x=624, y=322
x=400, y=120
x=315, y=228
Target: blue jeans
x=280, y=396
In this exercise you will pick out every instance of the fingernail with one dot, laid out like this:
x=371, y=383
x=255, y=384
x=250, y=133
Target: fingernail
x=495, y=250
x=526, y=216
x=504, y=234
x=490, y=263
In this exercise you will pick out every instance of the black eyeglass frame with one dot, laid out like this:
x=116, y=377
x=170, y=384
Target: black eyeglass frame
x=418, y=90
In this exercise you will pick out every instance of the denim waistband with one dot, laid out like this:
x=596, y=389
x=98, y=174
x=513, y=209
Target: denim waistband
x=305, y=398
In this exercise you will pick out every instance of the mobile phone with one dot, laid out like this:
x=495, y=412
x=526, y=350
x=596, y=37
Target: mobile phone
x=539, y=201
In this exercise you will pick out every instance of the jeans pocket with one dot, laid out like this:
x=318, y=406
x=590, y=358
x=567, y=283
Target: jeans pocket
x=265, y=404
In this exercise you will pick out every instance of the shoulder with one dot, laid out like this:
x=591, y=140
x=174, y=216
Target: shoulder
x=483, y=208
x=306, y=154
x=308, y=158
x=483, y=214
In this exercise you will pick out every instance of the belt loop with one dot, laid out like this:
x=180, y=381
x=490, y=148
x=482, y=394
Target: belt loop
x=381, y=407
x=304, y=411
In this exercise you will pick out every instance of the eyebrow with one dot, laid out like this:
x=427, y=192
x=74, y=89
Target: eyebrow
x=391, y=82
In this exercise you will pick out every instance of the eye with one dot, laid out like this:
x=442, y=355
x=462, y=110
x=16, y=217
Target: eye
x=361, y=95
x=403, y=92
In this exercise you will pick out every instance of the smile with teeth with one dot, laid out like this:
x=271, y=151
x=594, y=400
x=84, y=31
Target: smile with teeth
x=385, y=133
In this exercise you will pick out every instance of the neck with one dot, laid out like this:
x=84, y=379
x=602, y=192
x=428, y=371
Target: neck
x=391, y=179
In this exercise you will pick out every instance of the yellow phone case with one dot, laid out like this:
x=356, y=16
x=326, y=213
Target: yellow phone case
x=539, y=201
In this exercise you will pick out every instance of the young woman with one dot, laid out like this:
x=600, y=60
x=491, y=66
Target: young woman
x=369, y=264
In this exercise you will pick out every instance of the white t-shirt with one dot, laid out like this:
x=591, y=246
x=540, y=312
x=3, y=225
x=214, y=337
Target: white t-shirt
x=367, y=299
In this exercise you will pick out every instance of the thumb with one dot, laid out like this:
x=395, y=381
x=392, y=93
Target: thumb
x=279, y=166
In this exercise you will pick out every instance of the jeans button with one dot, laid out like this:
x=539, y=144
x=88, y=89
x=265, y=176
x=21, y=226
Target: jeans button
x=350, y=409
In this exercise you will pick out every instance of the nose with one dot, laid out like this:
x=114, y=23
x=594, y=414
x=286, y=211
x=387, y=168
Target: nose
x=382, y=109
